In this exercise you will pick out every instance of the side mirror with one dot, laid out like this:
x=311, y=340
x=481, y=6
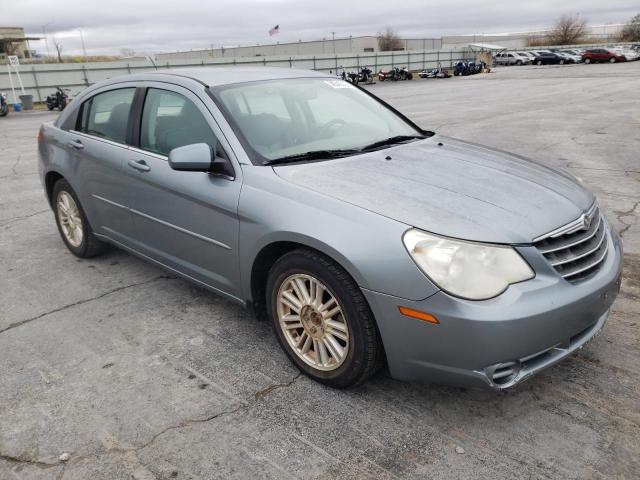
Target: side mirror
x=191, y=158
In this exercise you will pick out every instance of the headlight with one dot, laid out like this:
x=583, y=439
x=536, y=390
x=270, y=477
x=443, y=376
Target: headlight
x=476, y=271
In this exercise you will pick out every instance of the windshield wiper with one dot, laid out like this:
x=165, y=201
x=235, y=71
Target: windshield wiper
x=313, y=155
x=391, y=141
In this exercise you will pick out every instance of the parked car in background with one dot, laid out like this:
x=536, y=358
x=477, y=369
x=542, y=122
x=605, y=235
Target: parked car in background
x=569, y=55
x=596, y=55
x=574, y=51
x=511, y=58
x=529, y=55
x=547, y=57
x=360, y=236
x=629, y=54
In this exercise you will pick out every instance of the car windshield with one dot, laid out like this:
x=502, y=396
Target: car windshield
x=318, y=117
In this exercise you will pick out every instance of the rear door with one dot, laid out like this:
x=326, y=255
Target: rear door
x=187, y=221
x=99, y=144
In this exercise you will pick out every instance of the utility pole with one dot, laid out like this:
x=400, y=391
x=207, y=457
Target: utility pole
x=333, y=41
x=44, y=34
x=84, y=50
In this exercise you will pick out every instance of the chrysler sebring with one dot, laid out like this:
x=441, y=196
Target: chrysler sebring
x=363, y=238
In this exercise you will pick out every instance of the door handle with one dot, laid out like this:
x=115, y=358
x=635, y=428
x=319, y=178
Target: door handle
x=139, y=165
x=77, y=144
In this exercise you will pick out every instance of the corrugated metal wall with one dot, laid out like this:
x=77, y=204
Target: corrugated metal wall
x=41, y=79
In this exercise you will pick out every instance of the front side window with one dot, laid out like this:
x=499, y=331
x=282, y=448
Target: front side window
x=106, y=115
x=288, y=117
x=170, y=120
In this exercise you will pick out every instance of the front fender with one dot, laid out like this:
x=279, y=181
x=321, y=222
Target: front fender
x=367, y=245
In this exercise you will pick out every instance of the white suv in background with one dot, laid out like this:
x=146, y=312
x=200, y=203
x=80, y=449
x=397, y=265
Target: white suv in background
x=511, y=58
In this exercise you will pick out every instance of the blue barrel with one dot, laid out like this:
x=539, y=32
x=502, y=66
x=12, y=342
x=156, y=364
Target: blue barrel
x=17, y=107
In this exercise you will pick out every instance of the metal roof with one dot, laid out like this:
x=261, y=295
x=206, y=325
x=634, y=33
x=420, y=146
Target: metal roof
x=487, y=46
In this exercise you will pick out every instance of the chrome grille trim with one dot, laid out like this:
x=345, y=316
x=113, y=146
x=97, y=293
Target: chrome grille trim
x=577, y=252
x=583, y=254
x=596, y=262
x=571, y=227
x=571, y=244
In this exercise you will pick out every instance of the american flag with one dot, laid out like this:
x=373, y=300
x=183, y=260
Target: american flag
x=274, y=30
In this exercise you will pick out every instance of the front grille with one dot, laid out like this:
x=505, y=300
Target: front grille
x=574, y=251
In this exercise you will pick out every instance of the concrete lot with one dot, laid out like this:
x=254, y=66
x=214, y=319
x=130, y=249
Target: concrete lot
x=137, y=374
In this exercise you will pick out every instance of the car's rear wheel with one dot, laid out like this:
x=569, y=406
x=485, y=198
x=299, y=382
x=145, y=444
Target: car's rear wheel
x=539, y=62
x=322, y=320
x=561, y=62
x=612, y=60
x=72, y=222
x=587, y=60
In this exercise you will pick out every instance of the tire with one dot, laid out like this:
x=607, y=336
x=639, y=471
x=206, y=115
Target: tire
x=587, y=60
x=561, y=62
x=50, y=107
x=519, y=62
x=539, y=62
x=612, y=60
x=409, y=76
x=4, y=110
x=88, y=245
x=358, y=338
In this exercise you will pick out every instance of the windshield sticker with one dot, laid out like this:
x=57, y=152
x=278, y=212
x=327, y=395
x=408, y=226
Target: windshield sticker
x=337, y=83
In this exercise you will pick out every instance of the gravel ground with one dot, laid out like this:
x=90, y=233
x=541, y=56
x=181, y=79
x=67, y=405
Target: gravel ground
x=128, y=372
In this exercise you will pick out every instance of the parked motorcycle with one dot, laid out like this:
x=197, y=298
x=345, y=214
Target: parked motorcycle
x=350, y=77
x=396, y=73
x=365, y=75
x=385, y=75
x=404, y=73
x=437, y=72
x=468, y=67
x=4, y=105
x=58, y=100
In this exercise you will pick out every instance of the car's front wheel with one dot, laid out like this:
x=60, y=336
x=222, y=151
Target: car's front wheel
x=72, y=222
x=322, y=319
x=587, y=60
x=612, y=60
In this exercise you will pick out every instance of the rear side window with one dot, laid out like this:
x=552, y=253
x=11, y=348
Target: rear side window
x=106, y=115
x=170, y=120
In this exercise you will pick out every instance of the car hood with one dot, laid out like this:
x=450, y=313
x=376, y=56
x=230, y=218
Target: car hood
x=451, y=188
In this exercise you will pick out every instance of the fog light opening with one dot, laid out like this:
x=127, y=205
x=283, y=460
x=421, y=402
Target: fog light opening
x=503, y=373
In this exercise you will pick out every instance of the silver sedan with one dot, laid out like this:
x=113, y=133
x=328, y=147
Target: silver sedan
x=363, y=238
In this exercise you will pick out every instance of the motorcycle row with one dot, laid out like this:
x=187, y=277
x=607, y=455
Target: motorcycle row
x=461, y=68
x=56, y=101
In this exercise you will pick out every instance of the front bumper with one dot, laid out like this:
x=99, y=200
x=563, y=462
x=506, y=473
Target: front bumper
x=502, y=341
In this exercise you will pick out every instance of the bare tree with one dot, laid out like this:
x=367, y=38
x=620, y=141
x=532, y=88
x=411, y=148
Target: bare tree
x=58, y=46
x=389, y=41
x=569, y=29
x=631, y=31
x=127, y=52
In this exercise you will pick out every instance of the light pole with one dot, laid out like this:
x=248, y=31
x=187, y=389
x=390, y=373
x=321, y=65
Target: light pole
x=333, y=41
x=84, y=50
x=44, y=34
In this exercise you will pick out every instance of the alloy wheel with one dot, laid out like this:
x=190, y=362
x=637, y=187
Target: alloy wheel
x=70, y=219
x=312, y=321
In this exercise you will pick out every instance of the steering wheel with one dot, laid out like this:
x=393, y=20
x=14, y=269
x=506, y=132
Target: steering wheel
x=336, y=122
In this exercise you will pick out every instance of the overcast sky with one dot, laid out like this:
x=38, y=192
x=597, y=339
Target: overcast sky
x=150, y=26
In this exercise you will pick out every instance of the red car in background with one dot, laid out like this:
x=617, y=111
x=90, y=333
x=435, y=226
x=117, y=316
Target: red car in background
x=595, y=55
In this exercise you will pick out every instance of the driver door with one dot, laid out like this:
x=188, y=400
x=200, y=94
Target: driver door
x=187, y=221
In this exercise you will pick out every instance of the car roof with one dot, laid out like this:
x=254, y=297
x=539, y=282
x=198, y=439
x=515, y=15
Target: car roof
x=215, y=76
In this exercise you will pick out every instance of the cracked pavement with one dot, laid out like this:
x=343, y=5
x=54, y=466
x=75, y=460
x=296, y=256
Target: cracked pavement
x=138, y=374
